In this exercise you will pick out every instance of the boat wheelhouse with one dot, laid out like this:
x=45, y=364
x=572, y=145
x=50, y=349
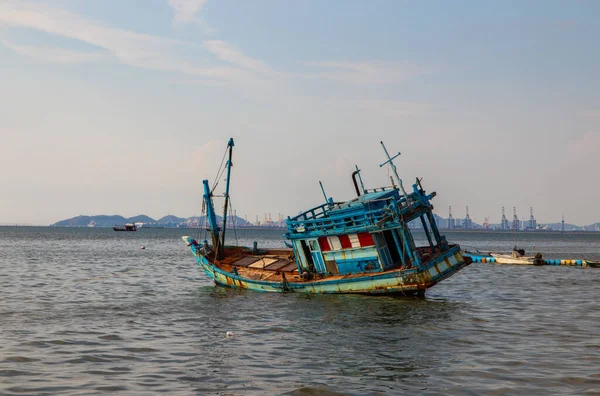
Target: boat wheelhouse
x=367, y=234
x=363, y=245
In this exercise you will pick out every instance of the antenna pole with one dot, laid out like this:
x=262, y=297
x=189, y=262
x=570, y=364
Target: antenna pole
x=324, y=195
x=391, y=162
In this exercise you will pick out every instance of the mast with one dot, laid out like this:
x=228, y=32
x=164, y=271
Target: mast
x=210, y=213
x=229, y=164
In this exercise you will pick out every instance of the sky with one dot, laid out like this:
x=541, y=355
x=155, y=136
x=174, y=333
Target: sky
x=125, y=106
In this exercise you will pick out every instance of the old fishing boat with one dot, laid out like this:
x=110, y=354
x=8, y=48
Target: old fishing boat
x=363, y=245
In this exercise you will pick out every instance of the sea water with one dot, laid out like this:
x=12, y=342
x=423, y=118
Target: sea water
x=87, y=311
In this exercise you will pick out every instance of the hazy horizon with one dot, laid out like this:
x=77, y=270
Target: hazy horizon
x=112, y=108
x=274, y=219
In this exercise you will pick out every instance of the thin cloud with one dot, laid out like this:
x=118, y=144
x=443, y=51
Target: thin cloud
x=186, y=10
x=590, y=115
x=130, y=48
x=381, y=107
x=54, y=55
x=370, y=73
x=206, y=155
x=229, y=53
x=586, y=146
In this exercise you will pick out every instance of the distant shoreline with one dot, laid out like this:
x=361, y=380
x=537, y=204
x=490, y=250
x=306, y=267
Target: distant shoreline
x=229, y=228
x=481, y=231
x=270, y=228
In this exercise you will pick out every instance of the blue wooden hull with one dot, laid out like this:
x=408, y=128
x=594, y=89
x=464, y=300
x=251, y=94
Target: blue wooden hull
x=412, y=281
x=362, y=245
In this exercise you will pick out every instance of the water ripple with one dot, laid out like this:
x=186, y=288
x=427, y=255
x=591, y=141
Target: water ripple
x=91, y=313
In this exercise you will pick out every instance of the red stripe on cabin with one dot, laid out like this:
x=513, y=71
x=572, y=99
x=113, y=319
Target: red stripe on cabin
x=345, y=241
x=365, y=239
x=324, y=244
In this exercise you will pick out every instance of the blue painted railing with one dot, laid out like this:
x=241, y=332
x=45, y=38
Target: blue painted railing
x=361, y=218
x=358, y=222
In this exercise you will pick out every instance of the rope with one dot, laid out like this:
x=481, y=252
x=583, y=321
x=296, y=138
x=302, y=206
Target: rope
x=202, y=222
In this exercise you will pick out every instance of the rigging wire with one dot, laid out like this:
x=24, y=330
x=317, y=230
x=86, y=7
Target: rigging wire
x=194, y=219
x=220, y=171
x=234, y=221
x=217, y=180
x=203, y=219
x=201, y=222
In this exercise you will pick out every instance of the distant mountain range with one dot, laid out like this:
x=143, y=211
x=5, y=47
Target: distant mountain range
x=593, y=227
x=171, y=221
x=168, y=221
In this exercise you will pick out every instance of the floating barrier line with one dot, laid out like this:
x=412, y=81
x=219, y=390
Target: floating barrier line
x=490, y=259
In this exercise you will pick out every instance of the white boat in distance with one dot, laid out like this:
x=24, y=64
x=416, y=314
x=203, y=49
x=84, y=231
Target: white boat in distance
x=516, y=257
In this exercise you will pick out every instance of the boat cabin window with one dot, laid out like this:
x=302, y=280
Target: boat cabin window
x=314, y=257
x=392, y=246
x=388, y=250
x=314, y=246
x=306, y=255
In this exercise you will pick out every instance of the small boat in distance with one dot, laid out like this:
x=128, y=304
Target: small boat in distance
x=362, y=245
x=126, y=227
x=517, y=256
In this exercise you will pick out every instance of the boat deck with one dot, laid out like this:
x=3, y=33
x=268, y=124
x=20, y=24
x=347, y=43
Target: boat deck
x=269, y=265
x=279, y=264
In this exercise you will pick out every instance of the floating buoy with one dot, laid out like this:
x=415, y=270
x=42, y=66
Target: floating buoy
x=229, y=334
x=142, y=247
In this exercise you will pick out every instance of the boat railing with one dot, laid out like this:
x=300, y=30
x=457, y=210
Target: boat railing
x=379, y=189
x=316, y=212
x=357, y=221
x=337, y=224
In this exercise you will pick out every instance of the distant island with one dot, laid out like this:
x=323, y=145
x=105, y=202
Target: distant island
x=171, y=221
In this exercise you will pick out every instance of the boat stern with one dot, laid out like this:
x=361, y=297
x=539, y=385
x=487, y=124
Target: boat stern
x=446, y=265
